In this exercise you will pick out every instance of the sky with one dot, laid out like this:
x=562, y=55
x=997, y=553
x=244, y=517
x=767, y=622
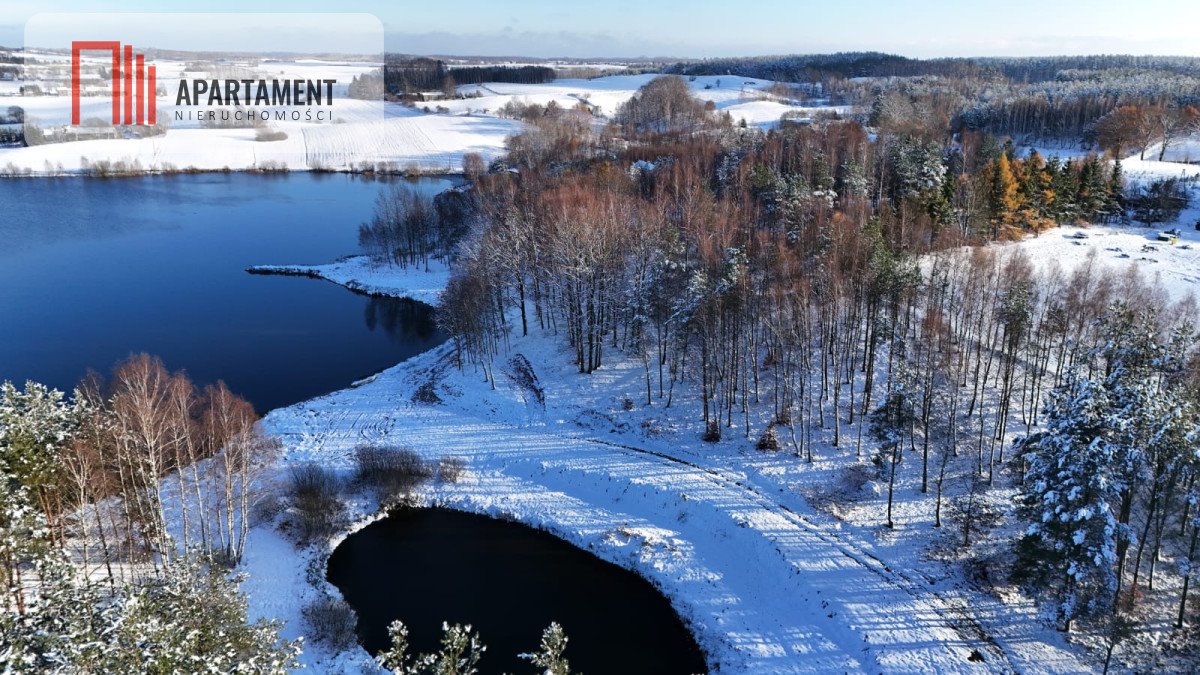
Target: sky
x=704, y=28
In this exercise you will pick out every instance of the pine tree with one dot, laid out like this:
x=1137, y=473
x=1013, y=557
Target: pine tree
x=191, y=619
x=1093, y=195
x=1068, y=494
x=194, y=619
x=1065, y=184
x=461, y=650
x=550, y=657
x=891, y=422
x=1189, y=562
x=460, y=653
x=35, y=425
x=1135, y=364
x=1115, y=207
x=24, y=540
x=396, y=658
x=1108, y=438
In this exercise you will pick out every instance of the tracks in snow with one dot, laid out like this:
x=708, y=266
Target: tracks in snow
x=955, y=616
x=895, y=622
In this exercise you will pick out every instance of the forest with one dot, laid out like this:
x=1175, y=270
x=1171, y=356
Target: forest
x=817, y=284
x=409, y=76
x=1033, y=98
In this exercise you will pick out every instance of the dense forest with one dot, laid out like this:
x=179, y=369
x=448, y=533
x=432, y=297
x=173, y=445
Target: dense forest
x=815, y=67
x=1046, y=98
x=809, y=286
x=408, y=76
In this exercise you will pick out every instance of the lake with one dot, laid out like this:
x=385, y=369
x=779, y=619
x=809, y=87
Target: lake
x=509, y=581
x=92, y=270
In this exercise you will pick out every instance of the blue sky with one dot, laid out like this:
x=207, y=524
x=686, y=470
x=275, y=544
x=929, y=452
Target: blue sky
x=705, y=28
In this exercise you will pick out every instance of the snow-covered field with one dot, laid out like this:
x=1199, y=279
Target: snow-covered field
x=374, y=133
x=1182, y=150
x=1175, y=267
x=745, y=98
x=1147, y=169
x=431, y=143
x=371, y=132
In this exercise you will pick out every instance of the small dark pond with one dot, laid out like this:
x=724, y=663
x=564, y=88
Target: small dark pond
x=509, y=581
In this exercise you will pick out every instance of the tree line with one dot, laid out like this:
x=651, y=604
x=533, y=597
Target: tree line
x=409, y=227
x=409, y=76
x=1061, y=99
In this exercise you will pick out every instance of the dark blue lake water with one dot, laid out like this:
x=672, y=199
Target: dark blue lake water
x=93, y=270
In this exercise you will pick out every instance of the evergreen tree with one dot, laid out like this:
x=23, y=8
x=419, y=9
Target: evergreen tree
x=1065, y=184
x=891, y=422
x=1189, y=562
x=1115, y=207
x=24, y=541
x=191, y=619
x=1092, y=197
x=1071, y=545
x=35, y=425
x=550, y=657
x=461, y=650
x=396, y=658
x=1107, y=437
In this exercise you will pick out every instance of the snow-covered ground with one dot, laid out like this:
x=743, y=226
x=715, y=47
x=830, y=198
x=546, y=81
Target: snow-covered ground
x=745, y=98
x=1185, y=149
x=430, y=143
x=1182, y=159
x=374, y=133
x=1146, y=169
x=767, y=582
x=1176, y=267
x=434, y=143
x=54, y=108
x=359, y=273
x=371, y=132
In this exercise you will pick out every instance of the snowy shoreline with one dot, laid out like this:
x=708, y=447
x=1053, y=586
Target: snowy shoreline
x=817, y=597
x=361, y=275
x=452, y=172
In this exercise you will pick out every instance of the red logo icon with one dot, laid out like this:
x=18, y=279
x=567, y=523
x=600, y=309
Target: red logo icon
x=139, y=83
